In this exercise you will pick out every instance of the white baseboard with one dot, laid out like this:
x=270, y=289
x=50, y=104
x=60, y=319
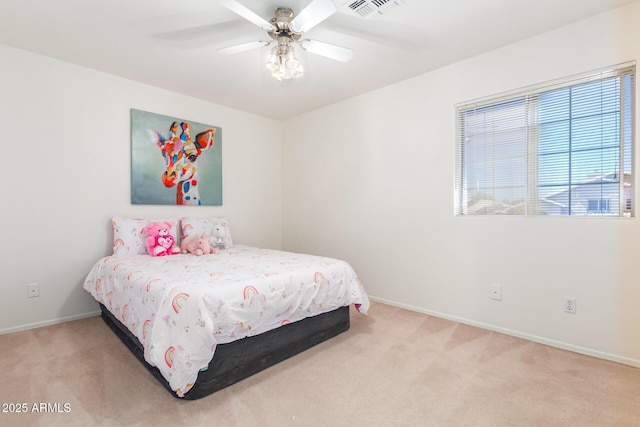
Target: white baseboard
x=558, y=344
x=49, y=322
x=511, y=332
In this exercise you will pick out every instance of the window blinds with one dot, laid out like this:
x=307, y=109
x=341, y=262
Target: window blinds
x=562, y=148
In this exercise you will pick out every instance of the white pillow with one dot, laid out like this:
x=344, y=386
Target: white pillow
x=129, y=235
x=190, y=226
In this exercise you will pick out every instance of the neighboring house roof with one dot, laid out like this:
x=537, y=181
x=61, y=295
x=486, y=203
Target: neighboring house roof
x=581, y=194
x=611, y=177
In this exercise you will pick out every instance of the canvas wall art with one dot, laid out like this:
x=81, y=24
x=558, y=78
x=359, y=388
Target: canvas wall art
x=174, y=161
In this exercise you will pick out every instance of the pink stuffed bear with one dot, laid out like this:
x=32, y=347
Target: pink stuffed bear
x=197, y=245
x=160, y=242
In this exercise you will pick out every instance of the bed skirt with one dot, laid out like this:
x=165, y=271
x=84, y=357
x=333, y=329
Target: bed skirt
x=240, y=359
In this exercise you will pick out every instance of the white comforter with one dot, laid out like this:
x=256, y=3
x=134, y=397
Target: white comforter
x=180, y=307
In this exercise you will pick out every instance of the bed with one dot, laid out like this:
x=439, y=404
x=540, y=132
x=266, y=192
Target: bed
x=202, y=323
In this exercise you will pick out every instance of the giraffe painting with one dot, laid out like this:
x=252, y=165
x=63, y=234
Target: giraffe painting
x=191, y=161
x=180, y=155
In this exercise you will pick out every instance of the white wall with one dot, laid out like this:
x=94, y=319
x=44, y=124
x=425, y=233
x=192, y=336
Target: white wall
x=370, y=180
x=66, y=171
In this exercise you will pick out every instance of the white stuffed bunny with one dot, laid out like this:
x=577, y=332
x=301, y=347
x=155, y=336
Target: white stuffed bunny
x=219, y=235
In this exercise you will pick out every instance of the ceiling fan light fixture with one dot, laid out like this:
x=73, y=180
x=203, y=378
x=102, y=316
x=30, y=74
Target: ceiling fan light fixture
x=278, y=75
x=298, y=72
x=283, y=62
x=287, y=28
x=273, y=61
x=283, y=72
x=291, y=61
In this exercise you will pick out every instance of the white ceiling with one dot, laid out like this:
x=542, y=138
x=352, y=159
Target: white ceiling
x=173, y=44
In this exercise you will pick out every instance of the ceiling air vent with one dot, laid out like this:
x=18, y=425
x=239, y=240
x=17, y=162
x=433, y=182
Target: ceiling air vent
x=370, y=8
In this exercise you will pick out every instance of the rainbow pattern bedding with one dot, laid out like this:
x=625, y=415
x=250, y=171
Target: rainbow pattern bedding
x=180, y=307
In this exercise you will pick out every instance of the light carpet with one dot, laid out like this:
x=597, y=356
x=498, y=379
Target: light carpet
x=392, y=368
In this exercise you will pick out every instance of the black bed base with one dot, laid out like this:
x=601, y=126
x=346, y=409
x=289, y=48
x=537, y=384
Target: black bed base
x=240, y=359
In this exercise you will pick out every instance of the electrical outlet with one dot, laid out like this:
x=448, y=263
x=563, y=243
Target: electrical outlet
x=495, y=292
x=570, y=305
x=33, y=290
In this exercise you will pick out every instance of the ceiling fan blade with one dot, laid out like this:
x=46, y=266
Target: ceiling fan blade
x=247, y=14
x=331, y=51
x=316, y=12
x=242, y=47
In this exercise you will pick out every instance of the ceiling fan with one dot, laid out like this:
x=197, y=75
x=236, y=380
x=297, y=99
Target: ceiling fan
x=286, y=29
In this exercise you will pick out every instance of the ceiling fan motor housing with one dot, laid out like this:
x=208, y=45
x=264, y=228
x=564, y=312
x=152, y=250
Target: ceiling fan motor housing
x=283, y=34
x=282, y=18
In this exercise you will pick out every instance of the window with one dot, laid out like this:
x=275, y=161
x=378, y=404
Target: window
x=563, y=148
x=599, y=205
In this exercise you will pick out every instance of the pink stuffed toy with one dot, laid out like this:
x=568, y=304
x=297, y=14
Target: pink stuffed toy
x=197, y=245
x=160, y=242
